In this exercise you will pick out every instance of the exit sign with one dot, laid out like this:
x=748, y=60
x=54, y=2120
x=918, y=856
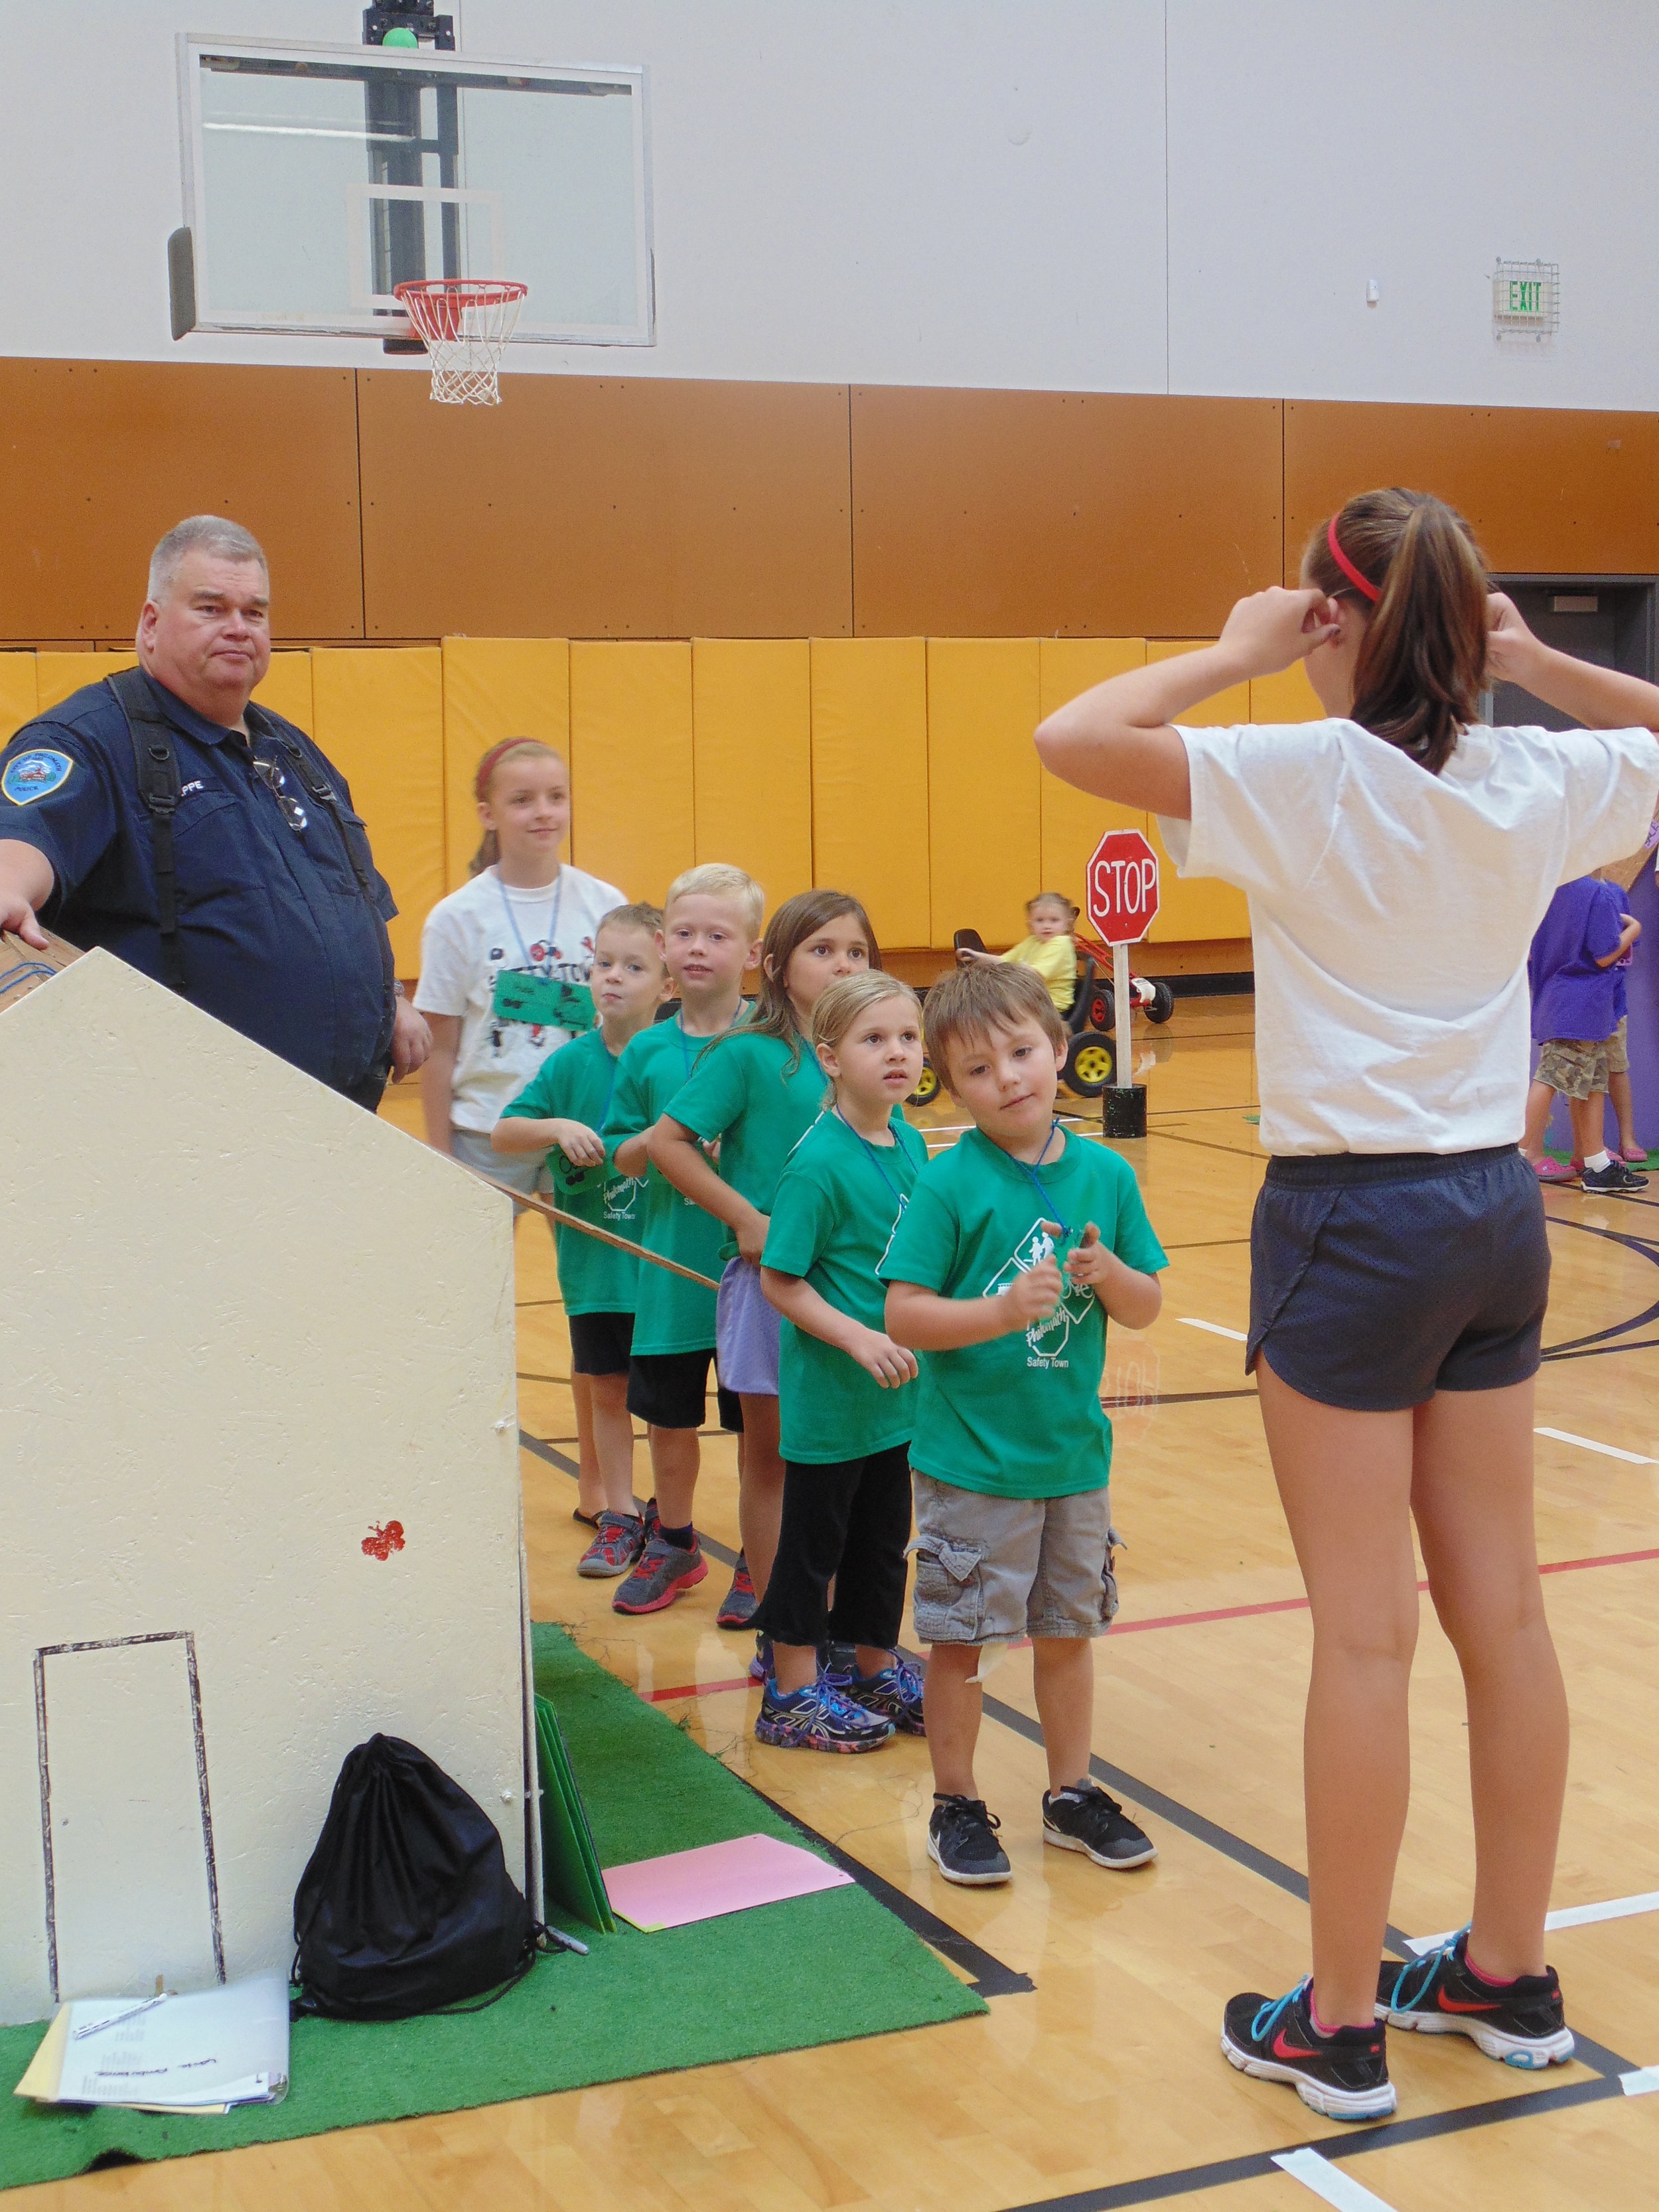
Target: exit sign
x=1526, y=299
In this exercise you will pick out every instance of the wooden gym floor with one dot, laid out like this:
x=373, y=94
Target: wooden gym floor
x=1094, y=2081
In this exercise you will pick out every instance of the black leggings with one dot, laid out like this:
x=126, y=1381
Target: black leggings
x=846, y=1522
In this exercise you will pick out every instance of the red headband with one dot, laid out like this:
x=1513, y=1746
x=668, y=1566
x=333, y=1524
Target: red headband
x=1373, y=592
x=487, y=765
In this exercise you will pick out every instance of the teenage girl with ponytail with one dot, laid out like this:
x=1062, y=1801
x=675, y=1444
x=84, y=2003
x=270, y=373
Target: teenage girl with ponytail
x=1397, y=857
x=505, y=960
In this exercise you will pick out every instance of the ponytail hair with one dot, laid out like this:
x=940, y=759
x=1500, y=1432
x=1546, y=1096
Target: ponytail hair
x=484, y=776
x=1412, y=561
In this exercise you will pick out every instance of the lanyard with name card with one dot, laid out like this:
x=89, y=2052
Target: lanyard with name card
x=531, y=994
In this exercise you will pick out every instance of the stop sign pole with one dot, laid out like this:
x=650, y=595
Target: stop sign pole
x=1123, y=899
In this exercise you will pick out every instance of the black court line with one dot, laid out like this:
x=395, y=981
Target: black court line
x=991, y=1978
x=1645, y=1250
x=1204, y=1145
x=1199, y=1826
x=1387, y=2135
x=1178, y=1398
x=1205, y=1243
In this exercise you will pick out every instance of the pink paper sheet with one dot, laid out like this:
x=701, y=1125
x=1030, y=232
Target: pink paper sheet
x=716, y=1878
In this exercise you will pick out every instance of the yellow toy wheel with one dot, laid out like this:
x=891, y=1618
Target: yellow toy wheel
x=1091, y=1064
x=927, y=1089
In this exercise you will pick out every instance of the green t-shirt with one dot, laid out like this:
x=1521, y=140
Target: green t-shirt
x=1020, y=1416
x=832, y=1216
x=745, y=1094
x=670, y=1314
x=575, y=1084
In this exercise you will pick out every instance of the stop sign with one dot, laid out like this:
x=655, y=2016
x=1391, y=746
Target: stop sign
x=1123, y=887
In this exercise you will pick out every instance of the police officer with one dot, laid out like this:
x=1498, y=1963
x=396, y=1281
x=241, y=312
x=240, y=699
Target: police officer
x=205, y=840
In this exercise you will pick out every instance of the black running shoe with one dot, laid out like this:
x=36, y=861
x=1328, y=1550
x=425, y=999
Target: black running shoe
x=962, y=1843
x=1521, y=2022
x=1083, y=1818
x=1344, y=2075
x=1615, y=1179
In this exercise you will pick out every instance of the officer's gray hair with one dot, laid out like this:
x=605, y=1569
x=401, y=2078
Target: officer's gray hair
x=201, y=533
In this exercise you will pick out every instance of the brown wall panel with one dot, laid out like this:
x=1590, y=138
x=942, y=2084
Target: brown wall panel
x=595, y=507
x=97, y=458
x=1048, y=514
x=1543, y=487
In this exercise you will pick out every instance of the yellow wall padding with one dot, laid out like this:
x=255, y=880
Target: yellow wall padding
x=984, y=803
x=1201, y=908
x=19, y=701
x=870, y=778
x=1074, y=821
x=1286, y=697
x=752, y=702
x=287, y=691
x=496, y=688
x=380, y=719
x=57, y=674
x=630, y=764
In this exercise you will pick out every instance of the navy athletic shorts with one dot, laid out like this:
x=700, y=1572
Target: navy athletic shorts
x=1378, y=1278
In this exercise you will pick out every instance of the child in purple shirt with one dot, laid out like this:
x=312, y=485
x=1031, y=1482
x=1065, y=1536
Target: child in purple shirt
x=1575, y=993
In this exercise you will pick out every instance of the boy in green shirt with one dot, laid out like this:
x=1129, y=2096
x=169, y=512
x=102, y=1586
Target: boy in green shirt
x=1015, y=1246
x=710, y=940
x=561, y=1112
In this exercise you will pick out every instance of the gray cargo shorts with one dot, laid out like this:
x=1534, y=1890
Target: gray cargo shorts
x=996, y=1569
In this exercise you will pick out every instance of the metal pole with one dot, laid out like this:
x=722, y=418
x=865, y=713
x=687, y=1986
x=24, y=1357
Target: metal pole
x=1126, y=1066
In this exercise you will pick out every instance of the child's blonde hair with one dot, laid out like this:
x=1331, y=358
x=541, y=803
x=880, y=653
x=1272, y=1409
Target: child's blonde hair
x=965, y=1005
x=489, y=851
x=1053, y=898
x=648, y=919
x=843, y=1002
x=720, y=879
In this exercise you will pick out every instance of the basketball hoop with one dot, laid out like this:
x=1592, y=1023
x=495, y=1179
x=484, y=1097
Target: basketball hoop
x=466, y=322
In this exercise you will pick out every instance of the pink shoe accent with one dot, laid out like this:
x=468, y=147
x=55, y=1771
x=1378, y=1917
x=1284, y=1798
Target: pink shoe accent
x=1634, y=1156
x=1550, y=1170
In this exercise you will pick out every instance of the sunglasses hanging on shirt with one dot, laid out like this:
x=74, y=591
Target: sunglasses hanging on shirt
x=276, y=784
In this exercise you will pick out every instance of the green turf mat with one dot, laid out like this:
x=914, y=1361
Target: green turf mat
x=815, y=1970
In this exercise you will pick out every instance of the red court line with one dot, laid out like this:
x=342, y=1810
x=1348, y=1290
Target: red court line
x=694, y=1690
x=1186, y=1619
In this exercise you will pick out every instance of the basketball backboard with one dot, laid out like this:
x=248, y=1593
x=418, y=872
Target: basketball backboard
x=317, y=177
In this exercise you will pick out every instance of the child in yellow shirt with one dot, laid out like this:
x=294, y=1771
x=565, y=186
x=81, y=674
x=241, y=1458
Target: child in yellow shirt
x=1049, y=949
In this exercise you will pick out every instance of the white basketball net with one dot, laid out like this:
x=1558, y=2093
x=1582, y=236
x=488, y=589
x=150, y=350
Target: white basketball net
x=466, y=322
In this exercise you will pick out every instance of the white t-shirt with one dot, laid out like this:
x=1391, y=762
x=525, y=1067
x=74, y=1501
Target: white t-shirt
x=469, y=939
x=1392, y=911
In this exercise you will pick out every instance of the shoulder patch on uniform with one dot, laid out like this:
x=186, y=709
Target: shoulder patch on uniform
x=34, y=775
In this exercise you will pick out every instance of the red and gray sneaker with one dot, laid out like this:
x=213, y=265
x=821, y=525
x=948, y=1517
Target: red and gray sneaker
x=816, y=1718
x=895, y=1693
x=663, y=1572
x=1344, y=2076
x=613, y=1550
x=737, y=1607
x=1521, y=2022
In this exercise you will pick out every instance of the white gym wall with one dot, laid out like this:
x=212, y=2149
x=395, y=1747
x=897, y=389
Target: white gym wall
x=1096, y=195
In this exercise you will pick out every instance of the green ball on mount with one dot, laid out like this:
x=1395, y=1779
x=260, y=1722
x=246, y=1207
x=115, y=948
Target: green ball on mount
x=400, y=35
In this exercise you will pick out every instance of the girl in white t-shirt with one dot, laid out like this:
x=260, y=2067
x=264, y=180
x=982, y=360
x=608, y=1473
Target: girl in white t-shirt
x=1398, y=857
x=505, y=961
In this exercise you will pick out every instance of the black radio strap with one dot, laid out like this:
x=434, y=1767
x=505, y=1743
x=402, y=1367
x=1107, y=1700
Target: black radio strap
x=155, y=766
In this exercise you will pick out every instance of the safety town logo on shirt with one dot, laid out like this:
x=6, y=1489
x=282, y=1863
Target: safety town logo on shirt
x=620, y=1192
x=35, y=774
x=1045, y=1339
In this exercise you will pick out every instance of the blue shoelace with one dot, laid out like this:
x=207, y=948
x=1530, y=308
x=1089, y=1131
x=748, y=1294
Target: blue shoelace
x=1428, y=1965
x=1267, y=2016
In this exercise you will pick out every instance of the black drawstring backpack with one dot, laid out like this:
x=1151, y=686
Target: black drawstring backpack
x=406, y=1905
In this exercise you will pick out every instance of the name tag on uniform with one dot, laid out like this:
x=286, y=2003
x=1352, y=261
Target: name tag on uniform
x=545, y=1000
x=568, y=1178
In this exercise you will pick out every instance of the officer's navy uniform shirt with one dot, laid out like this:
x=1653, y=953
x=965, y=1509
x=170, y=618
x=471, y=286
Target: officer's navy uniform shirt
x=276, y=936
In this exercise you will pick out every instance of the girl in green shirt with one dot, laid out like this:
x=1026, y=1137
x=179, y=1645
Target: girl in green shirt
x=847, y=1391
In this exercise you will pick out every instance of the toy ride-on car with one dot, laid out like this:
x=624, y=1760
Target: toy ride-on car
x=1091, y=1047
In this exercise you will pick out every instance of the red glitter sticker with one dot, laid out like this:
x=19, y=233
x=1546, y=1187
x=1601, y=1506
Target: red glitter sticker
x=382, y=1541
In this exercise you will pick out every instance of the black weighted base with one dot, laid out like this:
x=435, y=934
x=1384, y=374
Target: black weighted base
x=1126, y=1109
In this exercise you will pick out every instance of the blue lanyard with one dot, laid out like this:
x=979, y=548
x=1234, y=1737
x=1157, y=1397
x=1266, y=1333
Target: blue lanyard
x=552, y=926
x=703, y=1043
x=1051, y=1212
x=875, y=1157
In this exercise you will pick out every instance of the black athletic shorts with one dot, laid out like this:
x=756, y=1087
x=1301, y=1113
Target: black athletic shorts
x=670, y=1389
x=600, y=1343
x=1378, y=1278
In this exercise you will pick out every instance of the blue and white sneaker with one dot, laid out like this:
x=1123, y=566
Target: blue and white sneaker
x=895, y=1693
x=816, y=1718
